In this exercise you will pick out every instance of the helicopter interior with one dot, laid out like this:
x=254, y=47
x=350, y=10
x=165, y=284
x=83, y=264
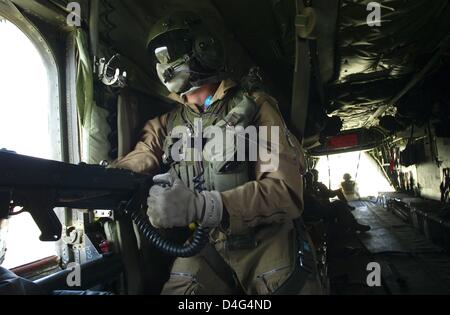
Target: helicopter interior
x=378, y=92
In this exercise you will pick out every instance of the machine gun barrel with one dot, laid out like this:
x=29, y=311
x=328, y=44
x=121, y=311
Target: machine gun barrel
x=40, y=185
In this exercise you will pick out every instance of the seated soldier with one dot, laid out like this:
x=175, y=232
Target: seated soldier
x=349, y=188
x=318, y=205
x=314, y=208
x=323, y=192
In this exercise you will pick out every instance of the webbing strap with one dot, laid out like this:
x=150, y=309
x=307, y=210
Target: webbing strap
x=302, y=76
x=221, y=268
x=305, y=264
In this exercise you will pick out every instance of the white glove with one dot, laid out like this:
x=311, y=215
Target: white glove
x=172, y=204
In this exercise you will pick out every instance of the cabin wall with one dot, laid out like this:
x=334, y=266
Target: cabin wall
x=429, y=175
x=426, y=175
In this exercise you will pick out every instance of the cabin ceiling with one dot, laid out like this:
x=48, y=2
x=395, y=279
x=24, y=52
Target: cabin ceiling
x=372, y=64
x=376, y=63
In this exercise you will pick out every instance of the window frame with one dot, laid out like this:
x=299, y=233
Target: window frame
x=56, y=83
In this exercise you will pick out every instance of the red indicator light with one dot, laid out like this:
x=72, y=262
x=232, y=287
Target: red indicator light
x=344, y=141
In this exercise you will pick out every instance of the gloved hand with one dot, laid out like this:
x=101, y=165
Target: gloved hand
x=172, y=204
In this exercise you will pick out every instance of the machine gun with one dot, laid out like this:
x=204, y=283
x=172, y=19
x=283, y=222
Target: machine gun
x=40, y=185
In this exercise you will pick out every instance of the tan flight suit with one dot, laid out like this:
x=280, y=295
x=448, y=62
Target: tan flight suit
x=264, y=206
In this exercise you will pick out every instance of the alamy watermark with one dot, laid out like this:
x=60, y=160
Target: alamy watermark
x=374, y=17
x=225, y=144
x=374, y=277
x=74, y=17
x=73, y=279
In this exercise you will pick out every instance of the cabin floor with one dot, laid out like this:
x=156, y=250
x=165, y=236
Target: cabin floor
x=410, y=263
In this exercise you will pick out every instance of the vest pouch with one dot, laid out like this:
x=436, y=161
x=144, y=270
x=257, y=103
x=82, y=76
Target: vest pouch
x=226, y=138
x=221, y=149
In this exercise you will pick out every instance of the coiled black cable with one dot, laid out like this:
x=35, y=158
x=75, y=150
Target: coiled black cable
x=192, y=248
x=199, y=183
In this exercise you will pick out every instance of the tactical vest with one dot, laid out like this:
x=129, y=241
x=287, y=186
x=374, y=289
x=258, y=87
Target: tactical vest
x=235, y=109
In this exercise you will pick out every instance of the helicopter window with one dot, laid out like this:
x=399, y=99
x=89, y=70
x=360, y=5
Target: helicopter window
x=29, y=123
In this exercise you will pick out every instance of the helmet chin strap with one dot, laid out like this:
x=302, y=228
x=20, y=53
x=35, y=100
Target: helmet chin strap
x=192, y=89
x=195, y=85
x=216, y=78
